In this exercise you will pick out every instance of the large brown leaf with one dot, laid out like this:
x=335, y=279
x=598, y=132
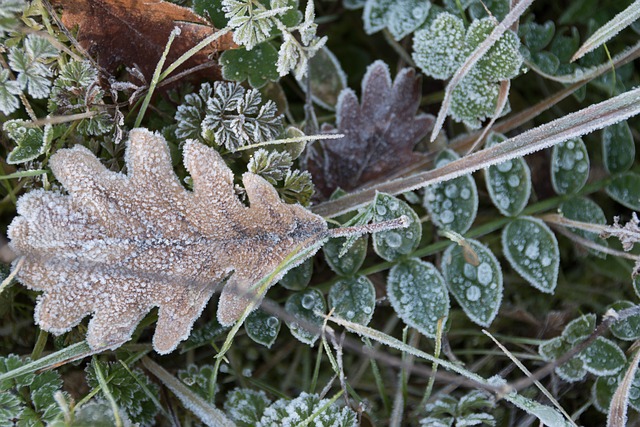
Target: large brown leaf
x=128, y=32
x=379, y=134
x=118, y=245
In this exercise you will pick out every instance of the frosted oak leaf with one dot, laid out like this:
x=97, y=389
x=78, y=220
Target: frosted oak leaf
x=118, y=245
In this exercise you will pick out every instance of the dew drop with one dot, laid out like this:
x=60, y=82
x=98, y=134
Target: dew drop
x=308, y=301
x=473, y=293
x=485, y=273
x=447, y=217
x=505, y=166
x=451, y=191
x=272, y=322
x=381, y=210
x=393, y=239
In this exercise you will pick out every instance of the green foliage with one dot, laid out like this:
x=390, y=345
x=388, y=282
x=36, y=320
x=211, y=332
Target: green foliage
x=256, y=65
x=394, y=244
x=453, y=205
x=132, y=390
x=8, y=90
x=199, y=379
x=30, y=64
x=471, y=409
x=475, y=283
x=245, y=406
x=305, y=307
x=441, y=49
x=262, y=327
x=27, y=400
x=418, y=294
x=353, y=299
x=400, y=17
x=508, y=183
x=306, y=406
x=569, y=166
x=31, y=142
x=532, y=250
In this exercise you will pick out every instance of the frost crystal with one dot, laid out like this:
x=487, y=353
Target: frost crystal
x=119, y=245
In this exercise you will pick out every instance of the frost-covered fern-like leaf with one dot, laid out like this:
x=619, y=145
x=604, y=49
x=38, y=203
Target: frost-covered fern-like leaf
x=297, y=186
x=236, y=117
x=286, y=412
x=8, y=91
x=190, y=114
x=251, y=21
x=28, y=399
x=271, y=165
x=76, y=90
x=245, y=406
x=128, y=389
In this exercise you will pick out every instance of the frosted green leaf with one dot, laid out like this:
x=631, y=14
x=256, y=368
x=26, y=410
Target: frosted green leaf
x=302, y=306
x=285, y=412
x=198, y=378
x=245, y=406
x=28, y=64
x=477, y=288
x=327, y=79
x=579, y=329
x=453, y=204
x=503, y=60
x=401, y=17
x=618, y=148
x=532, y=250
x=603, y=357
x=418, y=294
x=508, y=183
x=298, y=278
x=191, y=112
x=256, y=65
x=537, y=36
x=474, y=100
x=353, y=299
x=130, y=390
x=546, y=61
x=8, y=91
x=30, y=141
x=636, y=285
x=271, y=165
x=625, y=189
x=629, y=328
x=211, y=9
x=605, y=386
x=95, y=413
x=393, y=244
x=497, y=8
x=569, y=166
x=262, y=327
x=437, y=50
x=349, y=263
x=571, y=371
x=9, y=10
x=10, y=408
x=585, y=210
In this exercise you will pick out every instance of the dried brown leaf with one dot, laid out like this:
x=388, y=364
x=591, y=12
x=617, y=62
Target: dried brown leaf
x=380, y=133
x=118, y=245
x=128, y=32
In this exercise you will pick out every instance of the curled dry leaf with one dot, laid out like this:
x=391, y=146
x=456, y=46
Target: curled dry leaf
x=118, y=245
x=128, y=32
x=379, y=134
